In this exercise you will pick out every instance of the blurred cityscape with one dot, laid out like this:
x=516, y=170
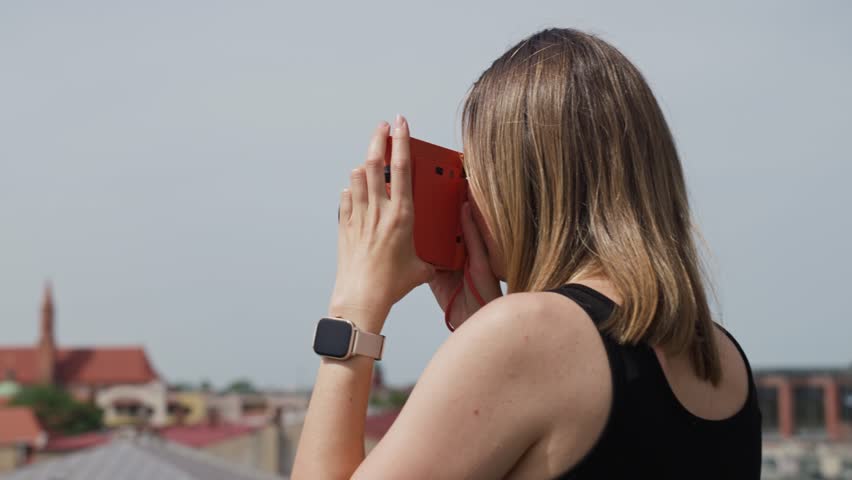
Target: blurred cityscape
x=66, y=409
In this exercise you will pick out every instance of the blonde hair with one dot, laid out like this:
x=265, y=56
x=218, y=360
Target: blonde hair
x=576, y=173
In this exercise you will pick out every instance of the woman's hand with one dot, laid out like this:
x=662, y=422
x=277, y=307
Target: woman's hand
x=444, y=283
x=376, y=261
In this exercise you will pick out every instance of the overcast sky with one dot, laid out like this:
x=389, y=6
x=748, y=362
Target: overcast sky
x=174, y=167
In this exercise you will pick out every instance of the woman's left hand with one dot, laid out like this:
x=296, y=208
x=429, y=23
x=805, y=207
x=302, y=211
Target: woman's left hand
x=376, y=261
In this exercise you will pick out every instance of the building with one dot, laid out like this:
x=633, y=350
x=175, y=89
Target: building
x=376, y=426
x=20, y=436
x=259, y=447
x=251, y=408
x=187, y=407
x=807, y=422
x=806, y=403
x=119, y=379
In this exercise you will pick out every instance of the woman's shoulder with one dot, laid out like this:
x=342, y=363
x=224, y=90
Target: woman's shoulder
x=536, y=311
x=551, y=343
x=542, y=327
x=511, y=388
x=554, y=341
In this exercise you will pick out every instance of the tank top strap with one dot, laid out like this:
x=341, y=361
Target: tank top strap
x=751, y=385
x=628, y=362
x=599, y=307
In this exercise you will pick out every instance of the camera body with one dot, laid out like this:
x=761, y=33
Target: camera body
x=439, y=186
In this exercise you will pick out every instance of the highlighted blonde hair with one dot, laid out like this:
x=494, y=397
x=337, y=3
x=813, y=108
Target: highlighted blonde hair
x=576, y=173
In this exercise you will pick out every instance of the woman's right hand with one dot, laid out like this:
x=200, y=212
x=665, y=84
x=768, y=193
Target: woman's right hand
x=445, y=282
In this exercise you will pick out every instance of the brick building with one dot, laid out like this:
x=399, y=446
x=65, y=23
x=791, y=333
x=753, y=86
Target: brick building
x=806, y=403
x=119, y=379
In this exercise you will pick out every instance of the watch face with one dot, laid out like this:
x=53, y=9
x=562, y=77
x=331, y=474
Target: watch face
x=332, y=337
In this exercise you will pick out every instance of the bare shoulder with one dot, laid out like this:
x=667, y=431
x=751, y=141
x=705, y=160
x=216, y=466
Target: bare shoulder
x=519, y=387
x=546, y=332
x=563, y=356
x=551, y=337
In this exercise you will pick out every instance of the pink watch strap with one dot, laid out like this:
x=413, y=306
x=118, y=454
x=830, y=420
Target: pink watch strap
x=369, y=344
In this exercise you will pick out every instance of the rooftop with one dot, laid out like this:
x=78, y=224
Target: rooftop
x=19, y=425
x=137, y=458
x=377, y=425
x=87, y=366
x=196, y=436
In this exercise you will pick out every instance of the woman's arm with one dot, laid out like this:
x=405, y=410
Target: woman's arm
x=478, y=405
x=331, y=445
x=491, y=391
x=522, y=365
x=376, y=266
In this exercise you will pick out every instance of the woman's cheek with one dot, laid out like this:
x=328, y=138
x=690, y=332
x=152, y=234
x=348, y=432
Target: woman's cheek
x=495, y=257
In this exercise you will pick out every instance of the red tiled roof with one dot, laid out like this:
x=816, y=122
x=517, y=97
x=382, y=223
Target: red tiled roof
x=19, y=425
x=376, y=426
x=22, y=361
x=76, y=442
x=203, y=435
x=87, y=366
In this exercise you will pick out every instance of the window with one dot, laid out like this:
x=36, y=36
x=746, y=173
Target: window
x=844, y=397
x=177, y=408
x=133, y=410
x=767, y=399
x=809, y=409
x=253, y=405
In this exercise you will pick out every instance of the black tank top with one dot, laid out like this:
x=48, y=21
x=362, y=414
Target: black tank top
x=649, y=433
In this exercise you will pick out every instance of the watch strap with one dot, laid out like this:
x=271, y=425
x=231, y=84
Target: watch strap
x=369, y=344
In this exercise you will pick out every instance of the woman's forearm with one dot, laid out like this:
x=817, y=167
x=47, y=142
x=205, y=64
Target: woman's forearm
x=331, y=445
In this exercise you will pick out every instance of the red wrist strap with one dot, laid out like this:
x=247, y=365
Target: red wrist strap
x=458, y=289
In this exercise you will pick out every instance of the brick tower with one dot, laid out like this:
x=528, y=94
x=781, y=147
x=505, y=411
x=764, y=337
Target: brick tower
x=46, y=348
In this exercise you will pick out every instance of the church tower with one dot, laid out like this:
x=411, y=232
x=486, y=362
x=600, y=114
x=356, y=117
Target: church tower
x=46, y=348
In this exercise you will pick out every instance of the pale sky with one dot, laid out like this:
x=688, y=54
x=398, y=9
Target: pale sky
x=174, y=167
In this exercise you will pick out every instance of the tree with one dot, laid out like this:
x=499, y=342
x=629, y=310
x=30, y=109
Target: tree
x=388, y=398
x=397, y=399
x=181, y=387
x=58, y=411
x=241, y=385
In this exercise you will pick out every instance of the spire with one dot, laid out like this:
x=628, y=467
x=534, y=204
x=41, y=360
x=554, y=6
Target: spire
x=46, y=343
x=47, y=313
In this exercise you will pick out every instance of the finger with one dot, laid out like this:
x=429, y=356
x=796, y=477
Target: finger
x=375, y=165
x=345, y=206
x=401, y=191
x=358, y=189
x=476, y=249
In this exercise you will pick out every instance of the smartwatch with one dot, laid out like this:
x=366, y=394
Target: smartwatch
x=340, y=339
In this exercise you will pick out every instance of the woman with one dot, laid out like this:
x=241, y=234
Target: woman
x=602, y=361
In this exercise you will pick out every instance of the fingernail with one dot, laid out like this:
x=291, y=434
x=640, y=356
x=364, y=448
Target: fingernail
x=382, y=124
x=397, y=123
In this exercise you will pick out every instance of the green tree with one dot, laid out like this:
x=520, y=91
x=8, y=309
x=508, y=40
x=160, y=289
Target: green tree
x=181, y=387
x=242, y=385
x=397, y=399
x=388, y=399
x=58, y=411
